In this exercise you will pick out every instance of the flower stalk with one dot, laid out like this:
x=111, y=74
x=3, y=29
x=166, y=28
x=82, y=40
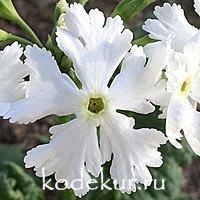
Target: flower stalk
x=8, y=11
x=4, y=36
x=28, y=31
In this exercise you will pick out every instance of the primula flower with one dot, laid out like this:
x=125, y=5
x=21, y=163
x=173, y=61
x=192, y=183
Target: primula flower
x=12, y=74
x=96, y=48
x=171, y=20
x=183, y=73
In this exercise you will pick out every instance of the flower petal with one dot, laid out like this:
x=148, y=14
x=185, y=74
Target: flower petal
x=127, y=82
x=4, y=108
x=72, y=153
x=49, y=91
x=133, y=151
x=185, y=67
x=171, y=19
x=197, y=6
x=12, y=74
x=96, y=50
x=78, y=22
x=191, y=53
x=192, y=128
x=195, y=95
x=175, y=116
x=133, y=84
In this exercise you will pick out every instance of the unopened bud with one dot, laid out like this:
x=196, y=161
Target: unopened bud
x=60, y=9
x=3, y=35
x=7, y=10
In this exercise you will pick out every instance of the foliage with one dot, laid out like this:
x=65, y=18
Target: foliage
x=15, y=184
x=128, y=8
x=11, y=153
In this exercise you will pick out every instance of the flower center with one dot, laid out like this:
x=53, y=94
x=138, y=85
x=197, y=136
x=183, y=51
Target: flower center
x=185, y=87
x=95, y=105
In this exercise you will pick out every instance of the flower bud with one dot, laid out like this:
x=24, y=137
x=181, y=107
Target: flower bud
x=7, y=10
x=3, y=35
x=60, y=9
x=61, y=21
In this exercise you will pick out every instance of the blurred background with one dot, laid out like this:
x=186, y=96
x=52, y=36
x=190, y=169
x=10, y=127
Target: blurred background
x=38, y=14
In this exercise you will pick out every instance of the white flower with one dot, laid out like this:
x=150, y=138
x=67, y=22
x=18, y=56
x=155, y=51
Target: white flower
x=73, y=152
x=183, y=73
x=12, y=74
x=171, y=20
x=158, y=53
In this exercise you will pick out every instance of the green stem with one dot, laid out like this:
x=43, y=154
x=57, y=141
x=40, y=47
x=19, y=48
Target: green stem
x=28, y=31
x=19, y=39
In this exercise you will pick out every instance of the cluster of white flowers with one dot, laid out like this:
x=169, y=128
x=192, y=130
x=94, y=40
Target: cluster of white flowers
x=97, y=47
x=182, y=72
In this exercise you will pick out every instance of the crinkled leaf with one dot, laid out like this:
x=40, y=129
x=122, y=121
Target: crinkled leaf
x=15, y=184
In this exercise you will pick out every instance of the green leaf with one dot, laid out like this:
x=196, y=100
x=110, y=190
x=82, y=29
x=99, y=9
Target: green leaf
x=15, y=184
x=10, y=153
x=7, y=189
x=67, y=194
x=143, y=41
x=128, y=8
x=63, y=119
x=83, y=2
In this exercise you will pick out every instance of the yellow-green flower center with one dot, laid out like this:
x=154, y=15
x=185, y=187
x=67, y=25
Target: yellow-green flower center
x=95, y=105
x=184, y=86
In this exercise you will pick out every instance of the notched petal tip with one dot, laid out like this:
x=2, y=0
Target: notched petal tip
x=197, y=6
x=170, y=19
